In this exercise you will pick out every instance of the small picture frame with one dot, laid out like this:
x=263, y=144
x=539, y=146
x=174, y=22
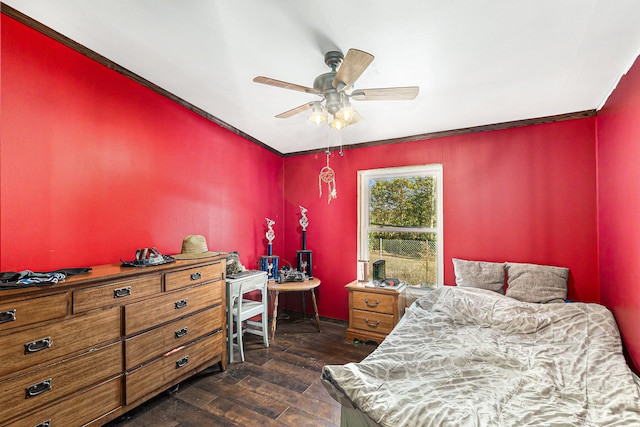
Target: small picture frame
x=363, y=271
x=379, y=273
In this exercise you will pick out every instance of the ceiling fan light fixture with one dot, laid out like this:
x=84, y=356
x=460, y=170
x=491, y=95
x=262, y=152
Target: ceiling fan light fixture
x=338, y=124
x=348, y=115
x=319, y=113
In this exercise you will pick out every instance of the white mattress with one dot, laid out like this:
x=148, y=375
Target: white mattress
x=470, y=357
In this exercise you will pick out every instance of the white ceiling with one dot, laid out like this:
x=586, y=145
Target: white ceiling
x=476, y=62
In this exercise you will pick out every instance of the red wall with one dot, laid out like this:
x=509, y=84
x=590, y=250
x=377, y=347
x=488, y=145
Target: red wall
x=94, y=165
x=524, y=195
x=619, y=205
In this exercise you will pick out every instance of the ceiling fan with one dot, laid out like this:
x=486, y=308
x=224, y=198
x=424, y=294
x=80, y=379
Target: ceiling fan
x=335, y=90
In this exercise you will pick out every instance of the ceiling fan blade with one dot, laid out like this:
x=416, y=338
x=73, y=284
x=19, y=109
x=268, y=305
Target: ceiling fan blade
x=352, y=67
x=385, y=93
x=286, y=85
x=295, y=111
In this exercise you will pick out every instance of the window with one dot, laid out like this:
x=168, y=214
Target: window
x=400, y=222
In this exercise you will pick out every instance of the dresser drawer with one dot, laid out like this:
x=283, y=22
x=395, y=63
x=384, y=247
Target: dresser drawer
x=372, y=322
x=156, y=342
x=192, y=276
x=155, y=311
x=34, y=310
x=31, y=347
x=37, y=388
x=171, y=366
x=116, y=293
x=79, y=409
x=371, y=301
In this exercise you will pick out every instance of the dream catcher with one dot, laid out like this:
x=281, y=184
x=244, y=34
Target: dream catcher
x=328, y=176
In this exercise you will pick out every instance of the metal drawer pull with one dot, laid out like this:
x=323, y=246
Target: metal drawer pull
x=37, y=345
x=44, y=424
x=39, y=388
x=366, y=301
x=122, y=292
x=373, y=324
x=181, y=332
x=181, y=304
x=196, y=276
x=181, y=362
x=7, y=316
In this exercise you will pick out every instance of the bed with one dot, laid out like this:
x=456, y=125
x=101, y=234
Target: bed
x=471, y=356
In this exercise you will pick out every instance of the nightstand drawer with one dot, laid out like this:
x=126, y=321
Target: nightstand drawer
x=192, y=276
x=79, y=409
x=154, y=343
x=34, y=310
x=38, y=388
x=155, y=311
x=29, y=348
x=372, y=322
x=116, y=293
x=370, y=301
x=171, y=366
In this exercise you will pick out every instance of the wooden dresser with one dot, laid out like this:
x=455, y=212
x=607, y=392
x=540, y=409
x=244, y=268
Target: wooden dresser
x=88, y=349
x=373, y=312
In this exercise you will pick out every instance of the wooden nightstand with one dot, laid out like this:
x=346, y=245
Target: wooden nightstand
x=373, y=312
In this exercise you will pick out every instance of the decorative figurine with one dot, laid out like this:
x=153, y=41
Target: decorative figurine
x=270, y=234
x=304, y=222
x=269, y=263
x=305, y=265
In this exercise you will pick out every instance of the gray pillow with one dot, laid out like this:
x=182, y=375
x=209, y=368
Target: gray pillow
x=479, y=274
x=537, y=283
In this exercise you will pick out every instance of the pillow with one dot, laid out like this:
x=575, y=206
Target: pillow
x=479, y=274
x=537, y=283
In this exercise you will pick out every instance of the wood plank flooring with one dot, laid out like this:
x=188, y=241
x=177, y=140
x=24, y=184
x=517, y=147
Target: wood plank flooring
x=275, y=386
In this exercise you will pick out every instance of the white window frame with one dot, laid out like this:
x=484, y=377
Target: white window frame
x=364, y=176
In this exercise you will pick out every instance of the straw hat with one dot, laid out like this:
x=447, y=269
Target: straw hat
x=194, y=246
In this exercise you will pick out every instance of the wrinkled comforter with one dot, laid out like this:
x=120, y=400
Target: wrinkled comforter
x=470, y=357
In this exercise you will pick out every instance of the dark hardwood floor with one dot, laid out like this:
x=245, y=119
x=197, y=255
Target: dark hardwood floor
x=275, y=386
